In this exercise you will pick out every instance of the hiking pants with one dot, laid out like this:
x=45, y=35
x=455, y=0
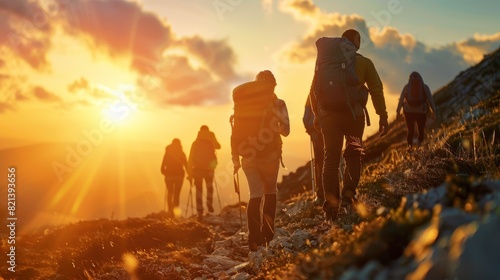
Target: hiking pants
x=411, y=119
x=335, y=126
x=174, y=185
x=199, y=175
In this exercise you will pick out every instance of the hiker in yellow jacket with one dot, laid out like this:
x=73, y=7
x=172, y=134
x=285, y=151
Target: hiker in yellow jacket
x=337, y=125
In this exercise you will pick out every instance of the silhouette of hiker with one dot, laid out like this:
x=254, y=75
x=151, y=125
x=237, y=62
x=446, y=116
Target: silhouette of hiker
x=172, y=167
x=336, y=125
x=318, y=148
x=261, y=155
x=416, y=99
x=201, y=166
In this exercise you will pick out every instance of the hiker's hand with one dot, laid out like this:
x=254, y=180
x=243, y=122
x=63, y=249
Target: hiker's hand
x=236, y=164
x=383, y=126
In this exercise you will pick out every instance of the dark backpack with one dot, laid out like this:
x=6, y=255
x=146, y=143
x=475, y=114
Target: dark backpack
x=335, y=78
x=415, y=94
x=254, y=123
x=204, y=154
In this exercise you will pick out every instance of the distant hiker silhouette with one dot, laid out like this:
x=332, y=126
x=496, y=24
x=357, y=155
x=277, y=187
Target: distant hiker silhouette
x=172, y=167
x=259, y=120
x=318, y=153
x=338, y=99
x=416, y=99
x=201, y=166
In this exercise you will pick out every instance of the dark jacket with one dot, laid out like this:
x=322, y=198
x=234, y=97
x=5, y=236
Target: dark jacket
x=174, y=161
x=202, y=154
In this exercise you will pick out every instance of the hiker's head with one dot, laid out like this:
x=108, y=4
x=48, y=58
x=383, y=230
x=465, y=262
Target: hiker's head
x=353, y=36
x=415, y=76
x=266, y=75
x=204, y=128
x=176, y=142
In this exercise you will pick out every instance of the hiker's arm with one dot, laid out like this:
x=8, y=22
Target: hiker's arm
x=284, y=124
x=376, y=89
x=215, y=142
x=401, y=100
x=430, y=100
x=163, y=164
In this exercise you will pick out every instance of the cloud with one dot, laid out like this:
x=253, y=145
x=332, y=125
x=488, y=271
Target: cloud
x=24, y=29
x=205, y=67
x=394, y=54
x=43, y=95
x=81, y=84
x=4, y=107
x=120, y=29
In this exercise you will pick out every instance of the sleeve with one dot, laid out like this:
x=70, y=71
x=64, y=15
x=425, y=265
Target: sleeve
x=402, y=99
x=164, y=164
x=308, y=118
x=284, y=126
x=376, y=88
x=430, y=99
x=215, y=142
x=184, y=162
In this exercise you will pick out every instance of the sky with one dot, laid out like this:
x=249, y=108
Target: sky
x=146, y=71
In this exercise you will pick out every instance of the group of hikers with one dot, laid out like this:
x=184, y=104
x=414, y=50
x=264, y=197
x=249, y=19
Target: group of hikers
x=335, y=113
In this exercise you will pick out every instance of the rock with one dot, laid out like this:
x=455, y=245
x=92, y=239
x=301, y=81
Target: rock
x=452, y=218
x=255, y=259
x=224, y=262
x=480, y=258
x=241, y=276
x=300, y=239
x=236, y=269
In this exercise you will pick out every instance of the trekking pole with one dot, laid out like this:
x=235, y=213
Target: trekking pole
x=313, y=169
x=236, y=180
x=218, y=195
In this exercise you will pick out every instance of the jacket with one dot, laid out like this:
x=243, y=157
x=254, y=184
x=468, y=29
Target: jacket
x=421, y=108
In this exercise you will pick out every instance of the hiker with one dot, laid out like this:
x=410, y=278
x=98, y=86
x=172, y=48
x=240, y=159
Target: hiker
x=416, y=99
x=201, y=166
x=318, y=152
x=172, y=167
x=338, y=99
x=260, y=118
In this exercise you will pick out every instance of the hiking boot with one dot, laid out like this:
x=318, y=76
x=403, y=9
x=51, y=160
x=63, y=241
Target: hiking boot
x=318, y=201
x=331, y=215
x=210, y=208
x=349, y=203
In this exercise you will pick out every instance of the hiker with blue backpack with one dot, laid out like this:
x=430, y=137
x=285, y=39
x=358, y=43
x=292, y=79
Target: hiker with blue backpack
x=260, y=119
x=338, y=98
x=416, y=99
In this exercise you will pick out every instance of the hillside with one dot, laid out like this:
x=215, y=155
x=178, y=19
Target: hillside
x=433, y=213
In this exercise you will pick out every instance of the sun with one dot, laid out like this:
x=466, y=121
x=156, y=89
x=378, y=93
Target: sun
x=118, y=107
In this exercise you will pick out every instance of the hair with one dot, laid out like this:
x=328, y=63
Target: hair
x=266, y=75
x=204, y=127
x=418, y=86
x=353, y=36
